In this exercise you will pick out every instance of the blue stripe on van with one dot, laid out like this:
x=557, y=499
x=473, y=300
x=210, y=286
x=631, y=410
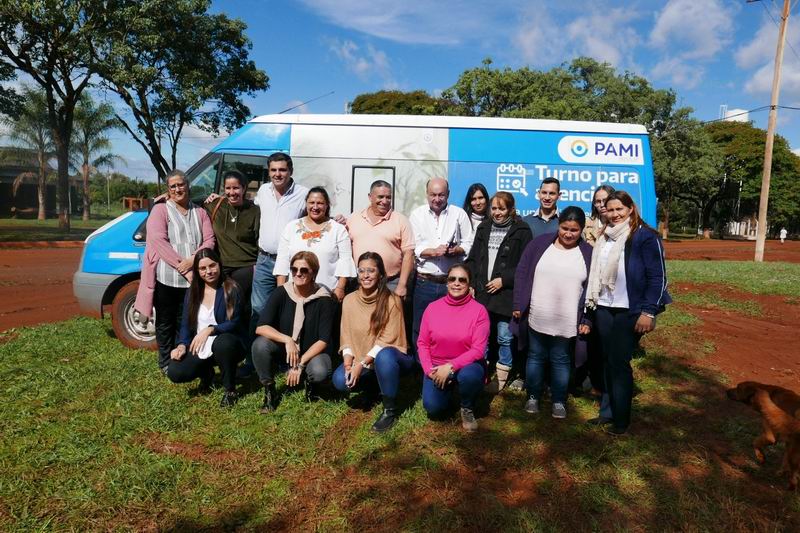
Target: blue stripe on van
x=257, y=137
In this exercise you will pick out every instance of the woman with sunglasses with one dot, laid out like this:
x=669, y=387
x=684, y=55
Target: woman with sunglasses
x=595, y=223
x=176, y=231
x=627, y=289
x=317, y=232
x=493, y=259
x=451, y=346
x=373, y=340
x=211, y=332
x=549, y=289
x=296, y=324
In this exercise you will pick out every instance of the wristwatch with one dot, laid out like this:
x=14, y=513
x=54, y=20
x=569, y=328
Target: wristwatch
x=301, y=367
x=649, y=315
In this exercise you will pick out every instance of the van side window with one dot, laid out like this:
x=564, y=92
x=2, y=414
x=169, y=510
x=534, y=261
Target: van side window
x=254, y=167
x=203, y=177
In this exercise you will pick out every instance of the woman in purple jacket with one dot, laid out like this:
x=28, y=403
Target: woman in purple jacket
x=549, y=291
x=627, y=289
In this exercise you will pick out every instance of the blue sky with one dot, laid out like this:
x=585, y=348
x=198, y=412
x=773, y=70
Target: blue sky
x=711, y=52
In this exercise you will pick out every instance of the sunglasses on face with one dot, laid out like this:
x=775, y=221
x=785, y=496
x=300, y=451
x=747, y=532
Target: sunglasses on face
x=303, y=271
x=453, y=279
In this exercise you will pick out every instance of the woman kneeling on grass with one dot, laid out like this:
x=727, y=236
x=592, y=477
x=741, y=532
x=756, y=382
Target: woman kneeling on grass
x=627, y=289
x=297, y=323
x=373, y=339
x=549, y=292
x=211, y=332
x=451, y=346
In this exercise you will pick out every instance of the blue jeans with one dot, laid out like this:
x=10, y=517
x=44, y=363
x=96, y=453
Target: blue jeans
x=263, y=285
x=390, y=364
x=541, y=349
x=468, y=382
x=504, y=340
x=425, y=292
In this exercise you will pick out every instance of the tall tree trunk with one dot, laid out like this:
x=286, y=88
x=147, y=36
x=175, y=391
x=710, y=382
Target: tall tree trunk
x=85, y=175
x=41, y=190
x=665, y=227
x=62, y=155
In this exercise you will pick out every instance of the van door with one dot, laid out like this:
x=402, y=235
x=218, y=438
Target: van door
x=363, y=178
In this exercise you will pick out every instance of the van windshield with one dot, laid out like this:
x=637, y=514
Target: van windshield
x=203, y=177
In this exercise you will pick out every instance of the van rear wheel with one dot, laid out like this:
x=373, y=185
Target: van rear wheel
x=127, y=328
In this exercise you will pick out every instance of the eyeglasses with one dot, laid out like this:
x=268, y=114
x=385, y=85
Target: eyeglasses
x=303, y=271
x=453, y=279
x=367, y=270
x=176, y=186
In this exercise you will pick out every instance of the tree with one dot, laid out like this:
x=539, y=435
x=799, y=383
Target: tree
x=53, y=42
x=31, y=131
x=396, y=103
x=742, y=146
x=91, y=145
x=687, y=165
x=10, y=101
x=173, y=64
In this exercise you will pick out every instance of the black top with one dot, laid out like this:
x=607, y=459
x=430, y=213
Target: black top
x=319, y=318
x=505, y=264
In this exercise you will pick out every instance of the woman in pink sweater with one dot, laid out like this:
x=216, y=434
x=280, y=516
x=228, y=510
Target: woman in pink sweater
x=451, y=346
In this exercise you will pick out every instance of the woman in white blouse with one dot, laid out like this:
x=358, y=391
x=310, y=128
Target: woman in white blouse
x=326, y=238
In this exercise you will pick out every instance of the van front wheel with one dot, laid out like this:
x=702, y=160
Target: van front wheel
x=125, y=319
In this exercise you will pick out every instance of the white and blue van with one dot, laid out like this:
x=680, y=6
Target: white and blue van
x=346, y=153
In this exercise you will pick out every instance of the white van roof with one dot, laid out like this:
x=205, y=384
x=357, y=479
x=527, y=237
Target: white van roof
x=429, y=121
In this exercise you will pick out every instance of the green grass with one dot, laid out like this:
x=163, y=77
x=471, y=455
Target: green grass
x=15, y=230
x=94, y=437
x=714, y=299
x=758, y=278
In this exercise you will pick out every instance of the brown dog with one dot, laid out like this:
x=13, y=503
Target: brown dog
x=784, y=399
x=781, y=427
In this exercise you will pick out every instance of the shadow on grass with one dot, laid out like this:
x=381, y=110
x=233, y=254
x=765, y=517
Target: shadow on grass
x=685, y=465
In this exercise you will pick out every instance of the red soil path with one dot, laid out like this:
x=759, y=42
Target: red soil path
x=36, y=287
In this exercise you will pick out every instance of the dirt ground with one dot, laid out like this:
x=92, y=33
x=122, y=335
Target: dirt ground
x=36, y=287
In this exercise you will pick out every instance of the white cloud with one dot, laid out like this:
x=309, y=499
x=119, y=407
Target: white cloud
x=759, y=54
x=796, y=151
x=606, y=35
x=690, y=33
x=413, y=21
x=366, y=63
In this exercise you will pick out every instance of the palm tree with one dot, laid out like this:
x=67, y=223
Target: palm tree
x=90, y=142
x=31, y=131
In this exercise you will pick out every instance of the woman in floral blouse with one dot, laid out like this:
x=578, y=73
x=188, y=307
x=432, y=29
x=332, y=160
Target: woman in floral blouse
x=326, y=238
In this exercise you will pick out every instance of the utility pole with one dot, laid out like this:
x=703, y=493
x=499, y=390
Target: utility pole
x=761, y=233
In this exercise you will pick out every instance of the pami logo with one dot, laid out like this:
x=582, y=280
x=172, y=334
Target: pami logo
x=604, y=150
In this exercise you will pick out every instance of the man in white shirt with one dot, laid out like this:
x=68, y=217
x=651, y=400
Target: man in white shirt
x=281, y=201
x=443, y=237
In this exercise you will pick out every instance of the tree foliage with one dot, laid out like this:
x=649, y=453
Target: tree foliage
x=31, y=131
x=53, y=42
x=91, y=145
x=396, y=103
x=174, y=64
x=742, y=147
x=10, y=100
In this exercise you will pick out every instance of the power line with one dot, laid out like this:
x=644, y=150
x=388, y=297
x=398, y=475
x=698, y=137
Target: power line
x=774, y=21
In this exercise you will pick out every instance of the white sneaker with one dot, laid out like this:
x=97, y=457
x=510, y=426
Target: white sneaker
x=532, y=406
x=559, y=410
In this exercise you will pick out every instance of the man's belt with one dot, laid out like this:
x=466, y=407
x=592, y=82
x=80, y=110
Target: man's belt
x=264, y=252
x=434, y=278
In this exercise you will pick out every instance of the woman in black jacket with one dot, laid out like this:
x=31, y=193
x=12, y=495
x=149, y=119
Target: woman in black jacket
x=496, y=250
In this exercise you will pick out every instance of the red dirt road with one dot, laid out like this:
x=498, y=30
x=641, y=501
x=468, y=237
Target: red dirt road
x=715, y=250
x=36, y=286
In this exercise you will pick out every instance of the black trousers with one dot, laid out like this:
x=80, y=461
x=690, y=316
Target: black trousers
x=226, y=352
x=243, y=276
x=618, y=341
x=267, y=354
x=168, y=302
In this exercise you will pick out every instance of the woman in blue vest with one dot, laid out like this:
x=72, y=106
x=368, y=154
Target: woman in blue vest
x=627, y=289
x=211, y=332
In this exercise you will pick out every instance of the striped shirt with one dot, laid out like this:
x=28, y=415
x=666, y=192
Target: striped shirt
x=185, y=236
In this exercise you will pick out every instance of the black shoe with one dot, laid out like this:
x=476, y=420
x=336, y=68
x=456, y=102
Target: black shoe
x=599, y=421
x=388, y=417
x=206, y=381
x=615, y=431
x=311, y=392
x=270, y=399
x=229, y=398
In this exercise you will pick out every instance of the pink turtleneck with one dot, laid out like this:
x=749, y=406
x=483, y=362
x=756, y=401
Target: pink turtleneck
x=453, y=331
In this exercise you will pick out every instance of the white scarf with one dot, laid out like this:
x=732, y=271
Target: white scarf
x=607, y=277
x=300, y=304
